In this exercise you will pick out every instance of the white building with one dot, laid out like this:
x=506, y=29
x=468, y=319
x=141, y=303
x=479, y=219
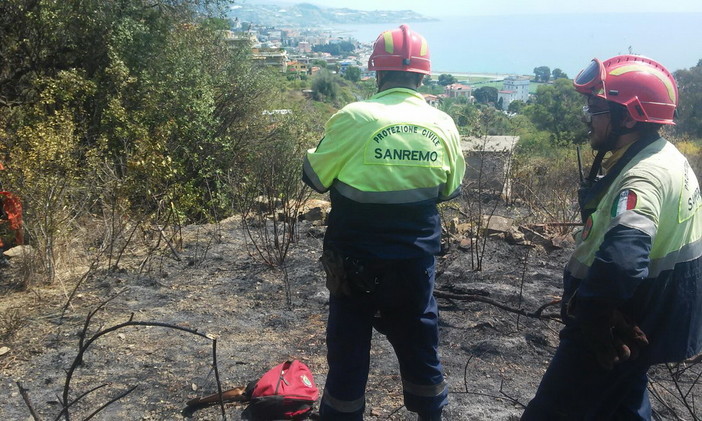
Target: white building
x=514, y=88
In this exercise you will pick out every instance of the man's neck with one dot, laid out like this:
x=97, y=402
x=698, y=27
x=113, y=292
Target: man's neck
x=627, y=139
x=387, y=86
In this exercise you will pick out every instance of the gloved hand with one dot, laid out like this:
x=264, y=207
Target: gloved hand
x=337, y=279
x=608, y=332
x=628, y=334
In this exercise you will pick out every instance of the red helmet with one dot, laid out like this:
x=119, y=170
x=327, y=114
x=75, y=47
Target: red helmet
x=643, y=86
x=400, y=49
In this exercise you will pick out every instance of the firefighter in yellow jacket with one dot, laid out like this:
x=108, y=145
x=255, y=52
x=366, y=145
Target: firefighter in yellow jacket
x=633, y=287
x=386, y=162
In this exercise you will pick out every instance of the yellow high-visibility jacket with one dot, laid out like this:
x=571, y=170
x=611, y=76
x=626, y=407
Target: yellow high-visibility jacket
x=387, y=161
x=641, y=250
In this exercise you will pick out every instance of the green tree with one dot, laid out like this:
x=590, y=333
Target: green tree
x=353, y=74
x=149, y=102
x=690, y=105
x=542, y=74
x=465, y=115
x=558, y=74
x=325, y=86
x=343, y=48
x=446, y=79
x=485, y=95
x=516, y=106
x=556, y=109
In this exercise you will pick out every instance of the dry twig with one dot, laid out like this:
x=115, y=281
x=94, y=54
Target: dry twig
x=537, y=314
x=27, y=401
x=83, y=347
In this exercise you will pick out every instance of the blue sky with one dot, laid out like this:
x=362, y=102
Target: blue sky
x=511, y=7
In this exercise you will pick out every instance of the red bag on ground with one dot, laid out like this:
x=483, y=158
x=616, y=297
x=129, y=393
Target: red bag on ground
x=285, y=392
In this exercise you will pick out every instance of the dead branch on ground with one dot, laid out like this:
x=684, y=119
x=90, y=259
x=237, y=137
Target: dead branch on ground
x=84, y=345
x=536, y=314
x=27, y=401
x=684, y=396
x=503, y=395
x=676, y=386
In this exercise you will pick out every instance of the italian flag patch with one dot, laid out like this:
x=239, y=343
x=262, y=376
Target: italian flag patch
x=624, y=202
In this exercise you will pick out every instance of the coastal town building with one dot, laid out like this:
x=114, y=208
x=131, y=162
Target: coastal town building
x=241, y=37
x=432, y=100
x=457, y=90
x=298, y=66
x=304, y=47
x=270, y=57
x=513, y=88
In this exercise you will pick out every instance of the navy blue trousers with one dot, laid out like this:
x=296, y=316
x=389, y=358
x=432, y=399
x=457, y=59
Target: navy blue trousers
x=402, y=308
x=575, y=387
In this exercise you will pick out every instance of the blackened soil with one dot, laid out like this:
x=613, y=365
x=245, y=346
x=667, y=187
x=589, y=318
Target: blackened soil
x=493, y=356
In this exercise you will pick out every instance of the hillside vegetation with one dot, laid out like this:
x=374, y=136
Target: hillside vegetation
x=118, y=116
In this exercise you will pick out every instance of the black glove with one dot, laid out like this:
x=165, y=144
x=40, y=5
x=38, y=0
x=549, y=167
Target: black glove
x=337, y=279
x=628, y=333
x=608, y=332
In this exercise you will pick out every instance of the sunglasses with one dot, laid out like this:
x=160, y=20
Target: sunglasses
x=587, y=114
x=592, y=77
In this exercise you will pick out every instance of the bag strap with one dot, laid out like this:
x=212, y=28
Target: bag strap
x=236, y=394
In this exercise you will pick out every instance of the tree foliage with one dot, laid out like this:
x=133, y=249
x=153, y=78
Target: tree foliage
x=516, y=106
x=446, y=79
x=478, y=119
x=556, y=109
x=352, y=73
x=326, y=86
x=152, y=91
x=126, y=106
x=342, y=48
x=542, y=74
x=485, y=95
x=558, y=74
x=690, y=104
x=319, y=63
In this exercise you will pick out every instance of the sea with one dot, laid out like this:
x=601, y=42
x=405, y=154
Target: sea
x=503, y=45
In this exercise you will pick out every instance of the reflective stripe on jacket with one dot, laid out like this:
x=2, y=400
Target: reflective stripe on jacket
x=641, y=250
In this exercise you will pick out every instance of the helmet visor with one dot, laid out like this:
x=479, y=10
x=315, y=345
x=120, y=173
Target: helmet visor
x=591, y=77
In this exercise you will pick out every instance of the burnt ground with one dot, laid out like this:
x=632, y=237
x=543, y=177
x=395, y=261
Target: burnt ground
x=493, y=358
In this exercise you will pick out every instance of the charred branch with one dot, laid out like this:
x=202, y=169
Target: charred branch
x=536, y=314
x=27, y=401
x=83, y=347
